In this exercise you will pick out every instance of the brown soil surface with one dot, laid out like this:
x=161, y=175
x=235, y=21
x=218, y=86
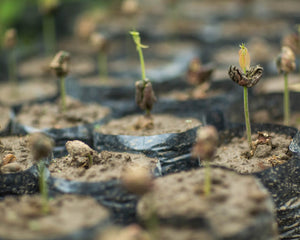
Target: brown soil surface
x=15, y=150
x=4, y=117
x=26, y=91
x=236, y=202
x=106, y=166
x=162, y=123
x=48, y=115
x=234, y=154
x=39, y=66
x=23, y=218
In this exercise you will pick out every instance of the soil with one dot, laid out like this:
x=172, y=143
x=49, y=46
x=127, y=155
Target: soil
x=107, y=81
x=39, y=66
x=48, y=115
x=234, y=154
x=4, y=117
x=162, y=123
x=236, y=203
x=16, y=153
x=106, y=165
x=26, y=91
x=22, y=218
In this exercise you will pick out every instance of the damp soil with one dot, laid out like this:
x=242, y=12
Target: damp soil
x=136, y=125
x=22, y=217
x=48, y=115
x=15, y=154
x=39, y=66
x=236, y=202
x=234, y=155
x=26, y=91
x=106, y=166
x=4, y=117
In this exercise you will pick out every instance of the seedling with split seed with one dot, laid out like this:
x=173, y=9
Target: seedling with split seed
x=41, y=147
x=204, y=150
x=248, y=77
x=285, y=64
x=144, y=94
x=60, y=65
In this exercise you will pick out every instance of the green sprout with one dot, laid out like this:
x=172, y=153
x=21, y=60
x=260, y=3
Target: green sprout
x=285, y=64
x=60, y=64
x=144, y=94
x=248, y=77
x=204, y=150
x=41, y=147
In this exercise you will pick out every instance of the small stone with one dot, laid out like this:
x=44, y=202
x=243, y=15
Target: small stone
x=8, y=158
x=78, y=148
x=11, y=168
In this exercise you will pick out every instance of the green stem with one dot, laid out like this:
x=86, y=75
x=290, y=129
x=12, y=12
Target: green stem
x=286, y=101
x=49, y=33
x=247, y=119
x=102, y=64
x=142, y=63
x=90, y=161
x=63, y=94
x=207, y=180
x=43, y=187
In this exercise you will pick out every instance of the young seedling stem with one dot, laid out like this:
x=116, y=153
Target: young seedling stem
x=12, y=69
x=43, y=187
x=244, y=61
x=286, y=101
x=63, y=94
x=49, y=33
x=139, y=47
x=207, y=180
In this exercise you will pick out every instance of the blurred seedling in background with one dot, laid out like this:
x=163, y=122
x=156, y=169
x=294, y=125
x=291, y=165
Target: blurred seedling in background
x=60, y=65
x=199, y=75
x=41, y=147
x=9, y=43
x=247, y=78
x=144, y=94
x=286, y=63
x=47, y=9
x=101, y=45
x=204, y=150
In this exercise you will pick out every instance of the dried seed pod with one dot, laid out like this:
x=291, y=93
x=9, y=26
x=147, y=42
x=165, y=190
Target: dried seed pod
x=41, y=145
x=99, y=42
x=286, y=60
x=11, y=168
x=207, y=140
x=47, y=7
x=137, y=180
x=198, y=73
x=130, y=7
x=60, y=63
x=10, y=38
x=144, y=95
x=251, y=78
x=292, y=41
x=8, y=158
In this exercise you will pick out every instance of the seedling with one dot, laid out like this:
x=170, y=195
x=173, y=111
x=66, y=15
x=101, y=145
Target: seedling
x=144, y=94
x=248, y=77
x=285, y=64
x=10, y=42
x=60, y=64
x=41, y=147
x=204, y=149
x=47, y=8
x=100, y=43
